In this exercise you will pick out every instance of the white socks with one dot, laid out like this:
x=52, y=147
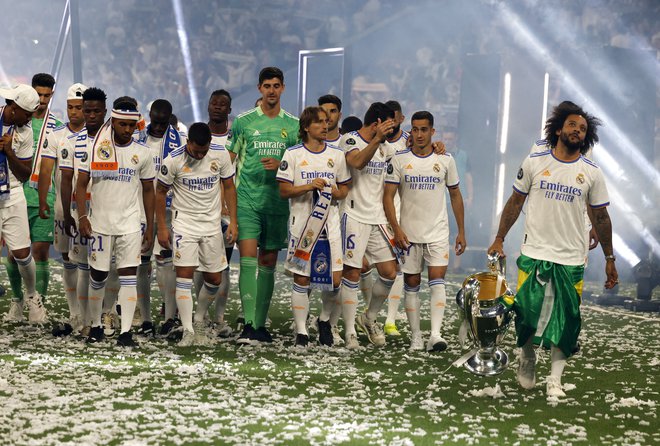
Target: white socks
x=558, y=362
x=82, y=290
x=70, y=279
x=328, y=304
x=166, y=278
x=96, y=295
x=366, y=286
x=184, y=302
x=394, y=299
x=221, y=298
x=205, y=298
x=380, y=292
x=127, y=301
x=412, y=307
x=438, y=303
x=300, y=307
x=349, y=305
x=28, y=270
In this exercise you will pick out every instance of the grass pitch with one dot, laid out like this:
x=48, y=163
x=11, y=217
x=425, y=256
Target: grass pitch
x=63, y=392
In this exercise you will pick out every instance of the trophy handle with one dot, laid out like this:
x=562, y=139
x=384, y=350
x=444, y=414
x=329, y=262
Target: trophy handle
x=496, y=263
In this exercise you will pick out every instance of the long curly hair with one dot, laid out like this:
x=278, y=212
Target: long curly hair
x=558, y=117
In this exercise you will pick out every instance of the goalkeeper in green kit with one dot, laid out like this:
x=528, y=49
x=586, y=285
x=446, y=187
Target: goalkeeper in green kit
x=257, y=142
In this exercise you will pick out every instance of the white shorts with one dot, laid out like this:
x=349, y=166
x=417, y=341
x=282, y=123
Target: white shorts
x=206, y=253
x=60, y=238
x=126, y=249
x=14, y=226
x=78, y=250
x=431, y=254
x=335, y=257
x=362, y=238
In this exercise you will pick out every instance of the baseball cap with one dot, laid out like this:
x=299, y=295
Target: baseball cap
x=75, y=91
x=23, y=95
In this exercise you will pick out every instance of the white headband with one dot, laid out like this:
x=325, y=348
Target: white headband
x=125, y=114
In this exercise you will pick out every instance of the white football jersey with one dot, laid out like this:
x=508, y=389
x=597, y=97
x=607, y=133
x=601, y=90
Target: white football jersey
x=421, y=185
x=557, y=195
x=196, y=206
x=364, y=202
x=542, y=146
x=401, y=143
x=299, y=166
x=57, y=148
x=22, y=141
x=114, y=205
x=77, y=147
x=220, y=139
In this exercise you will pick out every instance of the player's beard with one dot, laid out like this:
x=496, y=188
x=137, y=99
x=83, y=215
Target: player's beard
x=572, y=147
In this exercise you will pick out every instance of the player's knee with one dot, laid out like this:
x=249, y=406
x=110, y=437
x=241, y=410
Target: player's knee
x=412, y=280
x=213, y=278
x=98, y=276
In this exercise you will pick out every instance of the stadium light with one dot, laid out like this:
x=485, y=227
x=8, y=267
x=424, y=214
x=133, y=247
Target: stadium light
x=504, y=135
x=187, y=60
x=544, y=113
x=500, y=190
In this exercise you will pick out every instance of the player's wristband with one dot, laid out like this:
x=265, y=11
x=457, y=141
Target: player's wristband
x=610, y=258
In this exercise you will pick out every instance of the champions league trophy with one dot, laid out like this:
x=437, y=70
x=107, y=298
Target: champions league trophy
x=485, y=317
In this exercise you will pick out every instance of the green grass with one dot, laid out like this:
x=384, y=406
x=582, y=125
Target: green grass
x=60, y=391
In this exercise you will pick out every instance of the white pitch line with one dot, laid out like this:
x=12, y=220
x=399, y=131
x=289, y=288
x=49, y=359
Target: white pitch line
x=619, y=313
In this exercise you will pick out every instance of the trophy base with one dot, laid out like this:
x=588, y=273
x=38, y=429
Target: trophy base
x=487, y=363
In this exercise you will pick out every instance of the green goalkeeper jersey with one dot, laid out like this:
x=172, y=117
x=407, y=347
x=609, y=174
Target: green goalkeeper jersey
x=255, y=136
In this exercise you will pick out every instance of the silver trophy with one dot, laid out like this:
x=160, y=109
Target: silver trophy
x=485, y=317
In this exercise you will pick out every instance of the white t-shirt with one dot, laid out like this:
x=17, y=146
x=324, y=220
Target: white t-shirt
x=364, y=202
x=401, y=143
x=542, y=146
x=80, y=144
x=57, y=149
x=220, y=139
x=196, y=206
x=557, y=195
x=422, y=182
x=299, y=166
x=22, y=144
x=114, y=205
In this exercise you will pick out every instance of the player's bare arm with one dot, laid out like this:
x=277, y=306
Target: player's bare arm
x=340, y=191
x=593, y=236
x=400, y=237
x=510, y=214
x=603, y=226
x=163, y=233
x=459, y=214
x=229, y=198
x=44, y=184
x=84, y=225
x=358, y=159
x=66, y=190
x=288, y=190
x=148, y=199
x=21, y=169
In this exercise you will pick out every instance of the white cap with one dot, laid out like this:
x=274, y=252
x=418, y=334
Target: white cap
x=75, y=91
x=23, y=95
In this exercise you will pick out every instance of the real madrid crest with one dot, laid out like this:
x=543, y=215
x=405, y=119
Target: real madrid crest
x=104, y=150
x=135, y=159
x=307, y=240
x=436, y=167
x=46, y=143
x=580, y=178
x=380, y=150
x=284, y=134
x=214, y=167
x=331, y=163
x=321, y=264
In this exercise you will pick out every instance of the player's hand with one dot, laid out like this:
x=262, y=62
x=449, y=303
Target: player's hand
x=461, y=243
x=384, y=129
x=438, y=147
x=44, y=211
x=317, y=183
x=70, y=225
x=593, y=239
x=85, y=227
x=147, y=241
x=5, y=142
x=270, y=163
x=612, y=275
x=401, y=239
x=231, y=234
x=498, y=247
x=164, y=238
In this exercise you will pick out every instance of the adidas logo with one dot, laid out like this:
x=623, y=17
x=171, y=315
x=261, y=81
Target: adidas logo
x=409, y=166
x=546, y=173
x=304, y=163
x=256, y=133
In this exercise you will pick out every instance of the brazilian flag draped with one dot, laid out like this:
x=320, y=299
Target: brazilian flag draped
x=549, y=295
